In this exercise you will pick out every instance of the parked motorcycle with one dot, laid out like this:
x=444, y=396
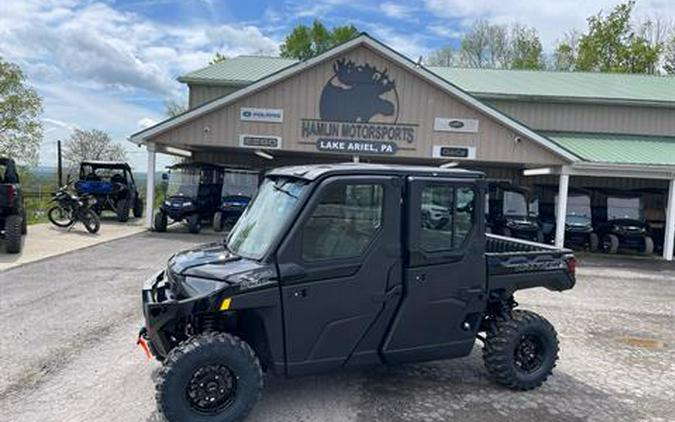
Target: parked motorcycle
x=71, y=208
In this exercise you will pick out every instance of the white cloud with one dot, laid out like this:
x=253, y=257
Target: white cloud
x=146, y=122
x=397, y=10
x=550, y=18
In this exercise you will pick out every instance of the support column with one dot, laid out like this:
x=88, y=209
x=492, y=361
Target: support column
x=561, y=210
x=150, y=186
x=669, y=238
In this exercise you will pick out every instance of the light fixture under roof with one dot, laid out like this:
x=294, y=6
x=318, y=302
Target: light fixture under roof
x=263, y=154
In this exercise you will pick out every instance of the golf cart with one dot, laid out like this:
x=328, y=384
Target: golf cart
x=239, y=186
x=113, y=186
x=332, y=267
x=625, y=227
x=513, y=211
x=192, y=195
x=13, y=223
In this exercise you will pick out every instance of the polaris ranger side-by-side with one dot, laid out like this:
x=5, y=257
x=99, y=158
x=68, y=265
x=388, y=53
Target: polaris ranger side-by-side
x=239, y=186
x=112, y=184
x=513, y=211
x=334, y=266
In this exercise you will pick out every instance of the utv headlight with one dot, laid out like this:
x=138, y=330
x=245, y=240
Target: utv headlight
x=167, y=203
x=197, y=286
x=187, y=204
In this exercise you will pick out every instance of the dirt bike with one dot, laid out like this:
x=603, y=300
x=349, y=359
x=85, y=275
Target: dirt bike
x=71, y=208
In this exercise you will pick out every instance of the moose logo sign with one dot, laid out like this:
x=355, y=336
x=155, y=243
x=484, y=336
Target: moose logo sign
x=358, y=110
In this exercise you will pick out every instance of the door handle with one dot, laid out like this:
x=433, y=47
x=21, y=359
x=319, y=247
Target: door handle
x=388, y=295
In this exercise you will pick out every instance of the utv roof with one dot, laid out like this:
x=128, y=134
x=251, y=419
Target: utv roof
x=105, y=164
x=313, y=172
x=6, y=160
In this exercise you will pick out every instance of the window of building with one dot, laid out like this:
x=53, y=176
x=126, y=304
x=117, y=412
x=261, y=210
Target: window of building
x=447, y=217
x=344, y=223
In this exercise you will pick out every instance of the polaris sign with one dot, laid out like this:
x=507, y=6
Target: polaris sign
x=449, y=124
x=251, y=114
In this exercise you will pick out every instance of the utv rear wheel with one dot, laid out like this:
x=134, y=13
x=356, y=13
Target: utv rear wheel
x=194, y=225
x=13, y=225
x=521, y=352
x=649, y=246
x=24, y=222
x=218, y=221
x=593, y=242
x=138, y=208
x=209, y=378
x=610, y=243
x=160, y=222
x=122, y=210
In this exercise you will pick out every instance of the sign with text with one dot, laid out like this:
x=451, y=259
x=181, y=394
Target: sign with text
x=356, y=147
x=452, y=151
x=260, y=141
x=252, y=114
x=450, y=124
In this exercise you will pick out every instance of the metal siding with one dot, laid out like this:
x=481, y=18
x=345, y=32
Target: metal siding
x=200, y=94
x=299, y=97
x=591, y=118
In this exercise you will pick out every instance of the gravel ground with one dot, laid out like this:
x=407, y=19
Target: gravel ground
x=69, y=324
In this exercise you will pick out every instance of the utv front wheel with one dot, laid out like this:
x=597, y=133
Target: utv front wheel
x=648, y=248
x=521, y=352
x=610, y=243
x=218, y=221
x=209, y=378
x=138, y=208
x=194, y=225
x=160, y=222
x=122, y=210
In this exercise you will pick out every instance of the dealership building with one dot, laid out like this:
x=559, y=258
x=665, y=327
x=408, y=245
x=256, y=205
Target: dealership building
x=366, y=102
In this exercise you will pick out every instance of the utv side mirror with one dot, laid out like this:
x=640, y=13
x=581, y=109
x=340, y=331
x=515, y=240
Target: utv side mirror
x=165, y=176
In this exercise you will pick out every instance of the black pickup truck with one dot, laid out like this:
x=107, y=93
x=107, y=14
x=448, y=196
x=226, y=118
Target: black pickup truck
x=335, y=266
x=13, y=222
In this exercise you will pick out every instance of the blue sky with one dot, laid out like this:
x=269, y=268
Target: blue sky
x=112, y=64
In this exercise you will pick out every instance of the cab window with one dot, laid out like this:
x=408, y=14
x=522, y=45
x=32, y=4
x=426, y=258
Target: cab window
x=446, y=217
x=344, y=223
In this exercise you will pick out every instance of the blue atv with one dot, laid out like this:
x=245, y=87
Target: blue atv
x=239, y=186
x=113, y=186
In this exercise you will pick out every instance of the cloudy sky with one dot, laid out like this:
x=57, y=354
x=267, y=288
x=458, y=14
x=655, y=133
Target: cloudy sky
x=112, y=64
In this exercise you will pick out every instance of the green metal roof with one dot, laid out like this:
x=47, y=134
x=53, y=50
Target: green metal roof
x=482, y=83
x=570, y=86
x=241, y=70
x=617, y=149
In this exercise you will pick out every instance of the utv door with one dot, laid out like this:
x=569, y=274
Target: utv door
x=340, y=270
x=444, y=276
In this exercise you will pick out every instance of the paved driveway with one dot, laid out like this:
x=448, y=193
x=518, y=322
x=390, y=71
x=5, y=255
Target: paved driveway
x=69, y=323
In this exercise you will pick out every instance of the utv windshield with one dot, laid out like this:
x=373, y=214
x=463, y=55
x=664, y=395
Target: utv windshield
x=578, y=209
x=239, y=184
x=515, y=204
x=265, y=217
x=183, y=182
x=624, y=208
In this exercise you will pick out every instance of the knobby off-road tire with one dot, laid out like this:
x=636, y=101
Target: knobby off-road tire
x=194, y=225
x=521, y=352
x=610, y=243
x=57, y=217
x=13, y=224
x=218, y=221
x=122, y=210
x=90, y=221
x=24, y=222
x=138, y=208
x=187, y=381
x=594, y=242
x=160, y=222
x=648, y=249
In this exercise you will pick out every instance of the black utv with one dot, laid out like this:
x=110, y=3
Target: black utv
x=192, y=195
x=333, y=266
x=13, y=223
x=625, y=227
x=579, y=231
x=513, y=211
x=239, y=186
x=112, y=184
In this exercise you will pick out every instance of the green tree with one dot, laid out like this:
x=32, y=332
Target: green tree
x=20, y=110
x=613, y=45
x=525, y=50
x=304, y=42
x=485, y=45
x=217, y=58
x=566, y=51
x=91, y=145
x=669, y=55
